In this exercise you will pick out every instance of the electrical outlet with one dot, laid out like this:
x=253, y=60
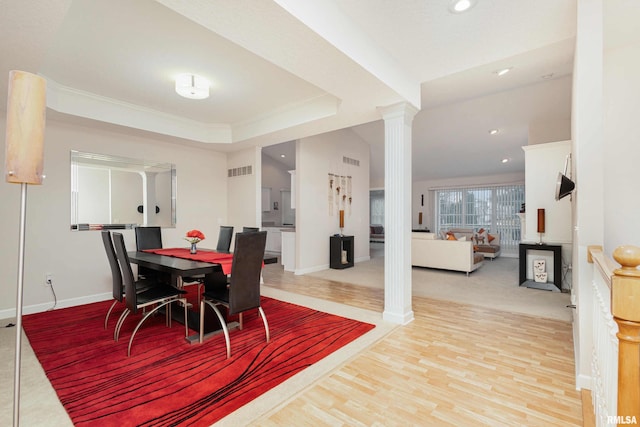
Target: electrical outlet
x=48, y=279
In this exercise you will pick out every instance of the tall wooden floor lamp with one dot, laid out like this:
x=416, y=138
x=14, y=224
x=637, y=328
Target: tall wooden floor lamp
x=24, y=160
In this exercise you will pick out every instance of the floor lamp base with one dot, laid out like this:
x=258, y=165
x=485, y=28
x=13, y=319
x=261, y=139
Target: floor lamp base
x=16, y=381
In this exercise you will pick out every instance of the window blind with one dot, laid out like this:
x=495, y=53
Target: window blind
x=494, y=208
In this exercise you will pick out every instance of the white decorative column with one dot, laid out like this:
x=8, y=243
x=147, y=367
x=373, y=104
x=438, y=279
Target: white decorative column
x=397, y=212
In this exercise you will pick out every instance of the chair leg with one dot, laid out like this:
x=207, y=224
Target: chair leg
x=116, y=332
x=186, y=318
x=222, y=322
x=264, y=320
x=106, y=319
x=240, y=321
x=145, y=317
x=168, y=316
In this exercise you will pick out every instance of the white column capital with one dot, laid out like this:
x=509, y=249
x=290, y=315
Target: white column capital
x=401, y=109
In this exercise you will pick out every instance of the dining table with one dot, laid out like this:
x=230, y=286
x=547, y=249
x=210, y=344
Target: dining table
x=179, y=263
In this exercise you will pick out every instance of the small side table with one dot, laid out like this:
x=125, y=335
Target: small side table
x=556, y=285
x=338, y=245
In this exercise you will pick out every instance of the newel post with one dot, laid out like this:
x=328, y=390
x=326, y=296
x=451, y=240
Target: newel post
x=625, y=307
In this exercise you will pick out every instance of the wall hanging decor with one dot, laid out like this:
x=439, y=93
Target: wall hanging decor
x=330, y=199
x=340, y=193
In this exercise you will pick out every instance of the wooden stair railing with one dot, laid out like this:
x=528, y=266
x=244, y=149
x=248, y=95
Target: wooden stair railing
x=625, y=308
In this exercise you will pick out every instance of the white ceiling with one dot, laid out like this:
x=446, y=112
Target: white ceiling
x=286, y=69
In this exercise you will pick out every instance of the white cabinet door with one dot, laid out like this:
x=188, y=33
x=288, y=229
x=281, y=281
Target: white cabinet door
x=289, y=250
x=266, y=199
x=288, y=214
x=274, y=240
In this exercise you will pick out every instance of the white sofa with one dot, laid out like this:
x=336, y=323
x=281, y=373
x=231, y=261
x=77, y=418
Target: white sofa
x=428, y=251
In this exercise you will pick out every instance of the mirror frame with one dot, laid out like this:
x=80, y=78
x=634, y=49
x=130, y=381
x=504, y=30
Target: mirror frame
x=118, y=163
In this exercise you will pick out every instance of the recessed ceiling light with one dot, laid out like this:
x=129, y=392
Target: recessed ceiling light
x=505, y=160
x=503, y=71
x=493, y=131
x=192, y=86
x=460, y=6
x=283, y=156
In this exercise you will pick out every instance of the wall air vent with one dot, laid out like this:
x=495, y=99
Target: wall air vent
x=350, y=161
x=241, y=171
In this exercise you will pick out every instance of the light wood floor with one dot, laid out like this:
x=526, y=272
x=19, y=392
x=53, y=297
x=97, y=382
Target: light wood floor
x=454, y=365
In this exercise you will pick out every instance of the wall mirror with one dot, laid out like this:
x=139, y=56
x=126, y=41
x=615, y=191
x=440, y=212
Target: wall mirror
x=110, y=192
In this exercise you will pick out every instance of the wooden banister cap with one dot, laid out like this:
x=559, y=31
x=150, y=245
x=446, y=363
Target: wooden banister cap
x=629, y=258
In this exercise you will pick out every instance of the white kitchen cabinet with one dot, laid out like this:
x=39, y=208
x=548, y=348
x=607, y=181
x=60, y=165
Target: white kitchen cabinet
x=274, y=239
x=289, y=250
x=266, y=199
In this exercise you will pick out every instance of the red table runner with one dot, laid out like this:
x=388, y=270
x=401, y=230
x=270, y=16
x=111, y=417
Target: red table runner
x=224, y=259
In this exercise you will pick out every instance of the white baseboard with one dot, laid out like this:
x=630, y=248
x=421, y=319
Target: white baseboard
x=39, y=308
x=398, y=318
x=300, y=271
x=584, y=382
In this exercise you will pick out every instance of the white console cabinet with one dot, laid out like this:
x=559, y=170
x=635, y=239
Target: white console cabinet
x=289, y=250
x=274, y=239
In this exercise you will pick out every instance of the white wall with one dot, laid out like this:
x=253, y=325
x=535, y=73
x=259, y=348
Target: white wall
x=549, y=131
x=543, y=162
x=587, y=151
x=244, y=192
x=276, y=177
x=621, y=86
x=427, y=188
x=316, y=157
x=77, y=259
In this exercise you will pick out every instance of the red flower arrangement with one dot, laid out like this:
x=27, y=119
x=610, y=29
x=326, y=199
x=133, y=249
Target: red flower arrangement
x=194, y=236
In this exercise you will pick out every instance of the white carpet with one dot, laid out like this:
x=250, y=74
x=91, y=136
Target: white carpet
x=494, y=285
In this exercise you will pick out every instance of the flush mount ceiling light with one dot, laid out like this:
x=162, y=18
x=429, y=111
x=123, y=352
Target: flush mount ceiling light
x=493, y=131
x=505, y=160
x=460, y=6
x=503, y=71
x=192, y=86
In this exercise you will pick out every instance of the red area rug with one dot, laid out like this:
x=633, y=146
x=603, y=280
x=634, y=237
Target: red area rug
x=167, y=381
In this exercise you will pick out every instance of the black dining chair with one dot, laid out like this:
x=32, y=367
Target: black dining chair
x=224, y=238
x=160, y=295
x=250, y=229
x=117, y=287
x=149, y=238
x=243, y=290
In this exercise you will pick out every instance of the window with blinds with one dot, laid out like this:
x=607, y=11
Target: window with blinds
x=494, y=208
x=376, y=207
